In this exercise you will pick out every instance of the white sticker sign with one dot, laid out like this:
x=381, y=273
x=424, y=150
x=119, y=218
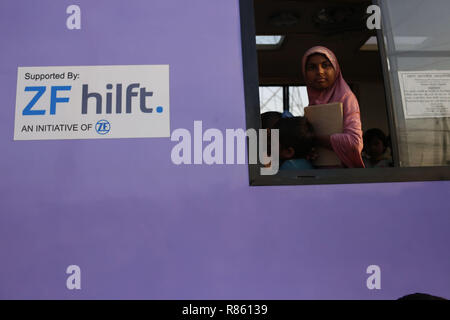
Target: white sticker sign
x=425, y=94
x=92, y=102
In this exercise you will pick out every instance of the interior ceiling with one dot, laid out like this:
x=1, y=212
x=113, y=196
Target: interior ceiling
x=344, y=32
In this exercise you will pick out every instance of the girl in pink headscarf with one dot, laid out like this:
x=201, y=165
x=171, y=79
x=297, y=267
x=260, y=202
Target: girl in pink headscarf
x=325, y=84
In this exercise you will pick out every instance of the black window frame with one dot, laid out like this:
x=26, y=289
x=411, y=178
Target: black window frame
x=322, y=176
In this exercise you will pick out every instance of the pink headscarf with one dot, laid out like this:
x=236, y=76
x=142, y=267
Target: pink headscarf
x=347, y=145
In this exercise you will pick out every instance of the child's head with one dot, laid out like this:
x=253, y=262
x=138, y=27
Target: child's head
x=375, y=143
x=319, y=72
x=296, y=137
x=269, y=119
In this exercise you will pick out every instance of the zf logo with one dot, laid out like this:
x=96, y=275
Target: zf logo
x=102, y=127
x=96, y=99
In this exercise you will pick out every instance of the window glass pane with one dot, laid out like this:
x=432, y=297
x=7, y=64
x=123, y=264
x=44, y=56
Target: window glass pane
x=271, y=99
x=298, y=99
x=419, y=25
x=417, y=40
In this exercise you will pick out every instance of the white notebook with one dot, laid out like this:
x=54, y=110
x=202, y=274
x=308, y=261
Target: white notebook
x=326, y=119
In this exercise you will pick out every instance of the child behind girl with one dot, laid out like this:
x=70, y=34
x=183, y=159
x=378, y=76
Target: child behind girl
x=375, y=153
x=296, y=143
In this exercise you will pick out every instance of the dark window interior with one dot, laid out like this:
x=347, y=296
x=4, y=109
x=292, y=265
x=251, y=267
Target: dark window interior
x=338, y=25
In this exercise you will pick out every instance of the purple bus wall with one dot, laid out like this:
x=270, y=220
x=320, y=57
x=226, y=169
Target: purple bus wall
x=142, y=227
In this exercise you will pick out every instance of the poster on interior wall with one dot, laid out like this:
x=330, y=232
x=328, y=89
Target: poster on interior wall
x=92, y=102
x=425, y=94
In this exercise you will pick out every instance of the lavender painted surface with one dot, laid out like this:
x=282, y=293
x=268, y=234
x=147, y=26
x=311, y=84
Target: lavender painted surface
x=141, y=227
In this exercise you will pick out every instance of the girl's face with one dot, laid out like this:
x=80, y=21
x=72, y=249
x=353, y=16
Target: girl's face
x=320, y=73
